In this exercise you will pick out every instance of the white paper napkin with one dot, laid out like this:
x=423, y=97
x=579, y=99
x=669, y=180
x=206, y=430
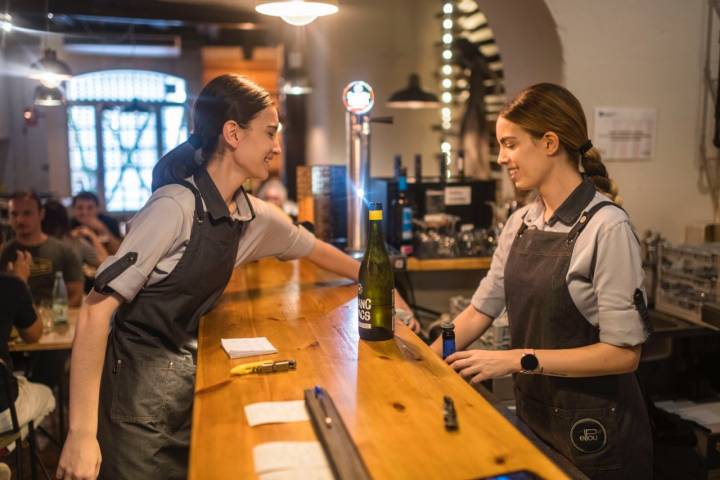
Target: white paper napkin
x=291, y=460
x=247, y=347
x=276, y=412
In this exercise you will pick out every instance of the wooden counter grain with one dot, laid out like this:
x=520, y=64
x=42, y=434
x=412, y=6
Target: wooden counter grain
x=388, y=393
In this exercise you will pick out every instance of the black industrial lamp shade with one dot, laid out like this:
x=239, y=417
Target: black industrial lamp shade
x=49, y=97
x=413, y=96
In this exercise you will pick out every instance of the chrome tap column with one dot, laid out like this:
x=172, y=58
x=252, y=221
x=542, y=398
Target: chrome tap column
x=358, y=98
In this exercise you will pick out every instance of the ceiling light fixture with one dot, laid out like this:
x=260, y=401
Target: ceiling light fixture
x=49, y=70
x=49, y=96
x=413, y=96
x=297, y=12
x=6, y=24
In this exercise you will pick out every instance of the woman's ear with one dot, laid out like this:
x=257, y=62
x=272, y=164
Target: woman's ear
x=551, y=143
x=231, y=133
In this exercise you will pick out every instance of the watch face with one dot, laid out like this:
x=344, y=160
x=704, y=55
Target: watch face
x=529, y=362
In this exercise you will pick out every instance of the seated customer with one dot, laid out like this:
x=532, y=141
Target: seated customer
x=49, y=255
x=33, y=401
x=84, y=242
x=86, y=211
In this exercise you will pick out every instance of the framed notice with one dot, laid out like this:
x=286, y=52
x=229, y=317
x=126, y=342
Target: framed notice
x=623, y=133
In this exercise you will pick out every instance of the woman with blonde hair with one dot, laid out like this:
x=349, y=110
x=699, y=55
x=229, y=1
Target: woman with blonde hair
x=568, y=270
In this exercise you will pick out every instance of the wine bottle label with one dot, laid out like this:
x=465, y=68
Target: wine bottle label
x=407, y=223
x=367, y=311
x=375, y=214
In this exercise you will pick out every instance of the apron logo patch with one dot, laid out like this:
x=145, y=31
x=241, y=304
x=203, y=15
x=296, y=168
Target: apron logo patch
x=588, y=435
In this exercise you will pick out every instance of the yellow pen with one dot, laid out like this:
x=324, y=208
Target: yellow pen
x=267, y=366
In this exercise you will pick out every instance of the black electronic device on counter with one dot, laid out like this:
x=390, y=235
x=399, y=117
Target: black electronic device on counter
x=468, y=198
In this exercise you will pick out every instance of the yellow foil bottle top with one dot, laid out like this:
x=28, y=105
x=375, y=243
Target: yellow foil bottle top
x=375, y=214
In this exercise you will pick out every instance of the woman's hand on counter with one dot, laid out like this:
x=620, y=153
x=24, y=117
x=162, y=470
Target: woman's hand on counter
x=479, y=365
x=408, y=317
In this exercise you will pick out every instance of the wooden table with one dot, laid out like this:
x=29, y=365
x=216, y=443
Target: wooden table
x=390, y=394
x=59, y=338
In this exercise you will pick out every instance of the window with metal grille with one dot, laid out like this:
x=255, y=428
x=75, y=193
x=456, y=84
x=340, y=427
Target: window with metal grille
x=120, y=122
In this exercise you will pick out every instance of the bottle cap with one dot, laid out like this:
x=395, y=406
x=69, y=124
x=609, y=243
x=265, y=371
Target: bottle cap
x=375, y=206
x=447, y=326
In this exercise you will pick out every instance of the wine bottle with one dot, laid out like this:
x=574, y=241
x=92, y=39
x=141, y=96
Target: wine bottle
x=402, y=215
x=376, y=303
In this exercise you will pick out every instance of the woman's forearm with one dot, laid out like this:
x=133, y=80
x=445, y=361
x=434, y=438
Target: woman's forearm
x=590, y=361
x=330, y=258
x=86, y=364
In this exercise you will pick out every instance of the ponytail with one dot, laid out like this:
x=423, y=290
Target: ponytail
x=595, y=169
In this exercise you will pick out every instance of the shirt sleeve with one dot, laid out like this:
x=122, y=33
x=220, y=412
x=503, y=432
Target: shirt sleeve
x=25, y=312
x=280, y=237
x=72, y=267
x=153, y=233
x=489, y=298
x=89, y=255
x=618, y=274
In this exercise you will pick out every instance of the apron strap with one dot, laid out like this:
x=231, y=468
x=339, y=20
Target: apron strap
x=585, y=219
x=523, y=226
x=199, y=210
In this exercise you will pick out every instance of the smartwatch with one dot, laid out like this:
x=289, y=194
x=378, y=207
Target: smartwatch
x=529, y=362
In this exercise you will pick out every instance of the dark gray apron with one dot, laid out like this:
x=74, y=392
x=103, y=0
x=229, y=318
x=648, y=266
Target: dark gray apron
x=146, y=393
x=598, y=423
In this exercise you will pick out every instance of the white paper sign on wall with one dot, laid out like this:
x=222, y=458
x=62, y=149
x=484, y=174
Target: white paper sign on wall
x=458, y=195
x=623, y=133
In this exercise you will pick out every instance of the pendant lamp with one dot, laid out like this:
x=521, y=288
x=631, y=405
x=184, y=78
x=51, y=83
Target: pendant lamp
x=49, y=96
x=413, y=96
x=49, y=70
x=297, y=12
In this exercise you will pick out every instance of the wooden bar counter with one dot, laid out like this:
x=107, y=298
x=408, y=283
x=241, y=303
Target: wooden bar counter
x=390, y=394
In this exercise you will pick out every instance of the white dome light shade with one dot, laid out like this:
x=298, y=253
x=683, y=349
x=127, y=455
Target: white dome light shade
x=297, y=12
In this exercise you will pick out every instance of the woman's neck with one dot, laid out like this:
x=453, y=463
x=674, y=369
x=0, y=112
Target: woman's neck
x=226, y=177
x=558, y=187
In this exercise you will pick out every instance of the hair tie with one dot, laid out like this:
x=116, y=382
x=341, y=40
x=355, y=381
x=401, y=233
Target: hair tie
x=195, y=141
x=585, y=147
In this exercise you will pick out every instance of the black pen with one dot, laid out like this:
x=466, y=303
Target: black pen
x=321, y=400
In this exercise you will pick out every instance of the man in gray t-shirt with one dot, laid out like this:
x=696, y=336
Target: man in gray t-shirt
x=48, y=254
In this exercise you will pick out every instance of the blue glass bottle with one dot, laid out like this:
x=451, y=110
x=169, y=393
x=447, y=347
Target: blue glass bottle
x=448, y=339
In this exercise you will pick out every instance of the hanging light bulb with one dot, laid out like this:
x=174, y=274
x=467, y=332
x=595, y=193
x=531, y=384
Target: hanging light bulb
x=297, y=12
x=49, y=97
x=49, y=70
x=6, y=24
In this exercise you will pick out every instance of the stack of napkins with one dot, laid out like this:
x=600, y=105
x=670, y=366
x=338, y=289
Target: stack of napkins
x=247, y=347
x=291, y=461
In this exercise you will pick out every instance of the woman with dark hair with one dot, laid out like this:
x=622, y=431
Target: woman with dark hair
x=169, y=271
x=568, y=270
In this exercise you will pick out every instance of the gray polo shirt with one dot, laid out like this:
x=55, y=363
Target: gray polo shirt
x=605, y=267
x=160, y=232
